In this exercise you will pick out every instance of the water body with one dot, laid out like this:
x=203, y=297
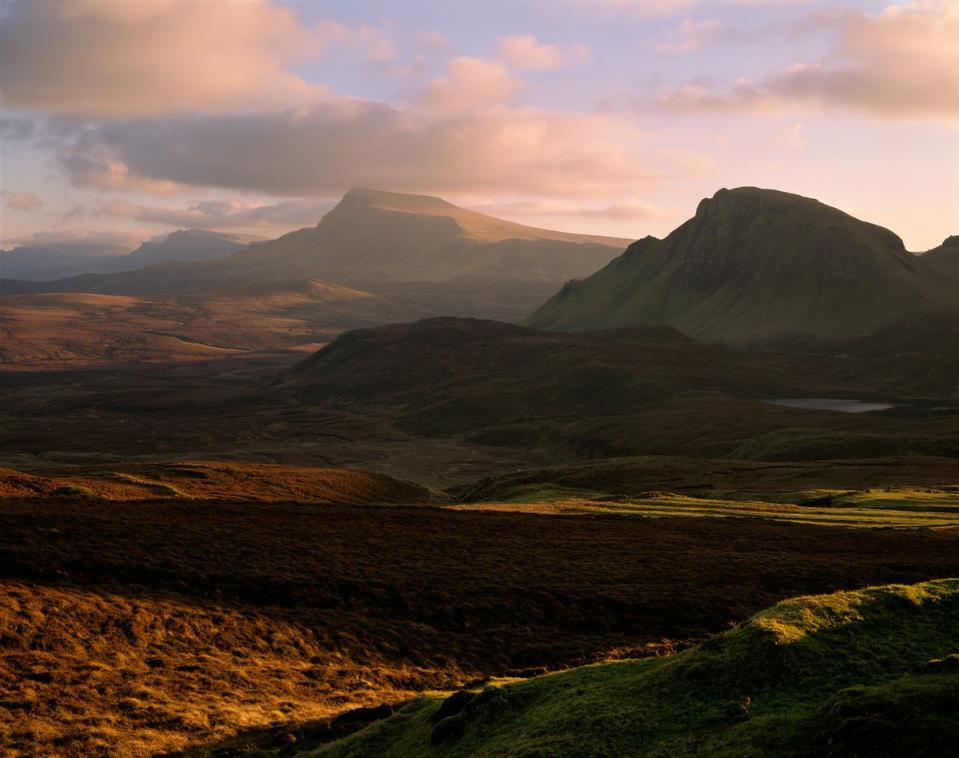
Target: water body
x=842, y=405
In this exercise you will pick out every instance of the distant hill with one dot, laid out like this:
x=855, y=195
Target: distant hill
x=755, y=264
x=183, y=245
x=46, y=261
x=53, y=261
x=505, y=384
x=371, y=238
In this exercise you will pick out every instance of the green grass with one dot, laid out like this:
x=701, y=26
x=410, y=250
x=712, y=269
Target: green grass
x=866, y=673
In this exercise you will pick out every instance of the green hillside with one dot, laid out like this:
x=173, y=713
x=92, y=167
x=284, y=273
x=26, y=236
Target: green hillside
x=754, y=264
x=866, y=673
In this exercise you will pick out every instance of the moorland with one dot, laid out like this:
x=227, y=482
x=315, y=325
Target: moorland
x=395, y=485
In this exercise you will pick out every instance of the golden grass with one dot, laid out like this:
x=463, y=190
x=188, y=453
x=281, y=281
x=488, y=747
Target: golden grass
x=897, y=507
x=87, y=674
x=207, y=480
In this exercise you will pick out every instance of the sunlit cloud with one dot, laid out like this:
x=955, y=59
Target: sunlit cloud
x=523, y=51
x=221, y=214
x=21, y=201
x=108, y=58
x=900, y=63
x=691, y=36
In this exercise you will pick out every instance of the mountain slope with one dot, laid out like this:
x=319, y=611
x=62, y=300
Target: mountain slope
x=754, y=264
x=47, y=263
x=184, y=245
x=50, y=261
x=380, y=238
x=505, y=384
x=945, y=258
x=873, y=672
x=375, y=236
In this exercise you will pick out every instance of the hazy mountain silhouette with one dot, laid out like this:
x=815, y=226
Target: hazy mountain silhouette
x=379, y=237
x=754, y=264
x=185, y=246
x=50, y=262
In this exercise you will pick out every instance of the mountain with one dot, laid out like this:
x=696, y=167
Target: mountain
x=945, y=258
x=46, y=261
x=755, y=264
x=71, y=258
x=184, y=245
x=374, y=238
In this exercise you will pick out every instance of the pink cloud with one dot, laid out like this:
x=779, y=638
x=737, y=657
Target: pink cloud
x=525, y=52
x=21, y=201
x=900, y=63
x=108, y=58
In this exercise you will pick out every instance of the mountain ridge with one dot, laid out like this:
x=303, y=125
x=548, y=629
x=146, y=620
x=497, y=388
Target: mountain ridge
x=754, y=264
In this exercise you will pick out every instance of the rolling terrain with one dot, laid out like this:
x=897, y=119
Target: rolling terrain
x=873, y=672
x=141, y=627
x=754, y=265
x=646, y=390
x=251, y=505
x=378, y=257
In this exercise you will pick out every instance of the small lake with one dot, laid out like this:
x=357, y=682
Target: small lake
x=841, y=405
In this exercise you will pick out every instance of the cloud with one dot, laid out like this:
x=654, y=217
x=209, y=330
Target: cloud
x=105, y=58
x=629, y=211
x=655, y=9
x=21, y=201
x=377, y=44
x=221, y=214
x=639, y=8
x=792, y=137
x=691, y=36
x=524, y=52
x=107, y=242
x=451, y=138
x=470, y=83
x=431, y=43
x=900, y=63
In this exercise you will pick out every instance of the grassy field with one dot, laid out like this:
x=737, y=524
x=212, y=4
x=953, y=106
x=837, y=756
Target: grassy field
x=133, y=628
x=867, y=673
x=880, y=508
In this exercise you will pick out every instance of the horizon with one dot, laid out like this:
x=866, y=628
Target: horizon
x=612, y=120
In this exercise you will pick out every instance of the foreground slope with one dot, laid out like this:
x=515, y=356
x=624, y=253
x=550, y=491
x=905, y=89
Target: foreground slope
x=873, y=672
x=215, y=616
x=754, y=264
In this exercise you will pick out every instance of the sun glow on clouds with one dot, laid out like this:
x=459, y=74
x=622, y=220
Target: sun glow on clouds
x=179, y=100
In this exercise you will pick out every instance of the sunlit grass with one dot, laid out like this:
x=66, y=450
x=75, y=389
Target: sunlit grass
x=875, y=508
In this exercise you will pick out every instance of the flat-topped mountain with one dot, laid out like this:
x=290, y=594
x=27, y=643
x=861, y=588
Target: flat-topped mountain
x=754, y=264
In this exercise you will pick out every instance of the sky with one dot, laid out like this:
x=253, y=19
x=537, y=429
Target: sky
x=125, y=119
